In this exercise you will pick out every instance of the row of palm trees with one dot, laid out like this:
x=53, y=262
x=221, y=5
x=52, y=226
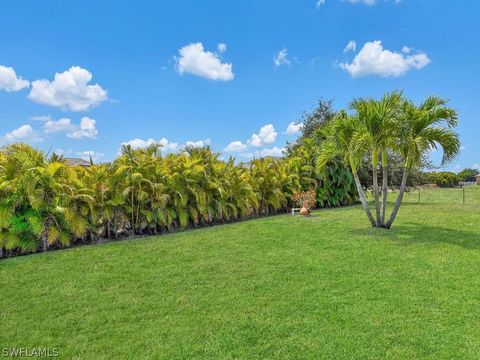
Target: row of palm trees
x=45, y=203
x=379, y=129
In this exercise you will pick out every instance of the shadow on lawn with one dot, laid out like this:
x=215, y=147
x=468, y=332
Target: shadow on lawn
x=414, y=233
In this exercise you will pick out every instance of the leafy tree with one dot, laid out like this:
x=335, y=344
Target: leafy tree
x=334, y=183
x=467, y=174
x=443, y=178
x=310, y=122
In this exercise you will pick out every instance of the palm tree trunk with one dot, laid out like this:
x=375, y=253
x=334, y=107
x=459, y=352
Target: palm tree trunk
x=403, y=186
x=363, y=199
x=384, y=188
x=115, y=216
x=107, y=232
x=133, y=214
x=44, y=243
x=376, y=193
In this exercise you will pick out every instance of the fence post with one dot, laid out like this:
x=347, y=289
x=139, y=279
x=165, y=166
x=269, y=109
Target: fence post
x=463, y=188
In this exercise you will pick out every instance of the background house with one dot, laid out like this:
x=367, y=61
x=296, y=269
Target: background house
x=77, y=162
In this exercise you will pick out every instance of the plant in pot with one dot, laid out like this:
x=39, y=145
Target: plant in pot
x=305, y=199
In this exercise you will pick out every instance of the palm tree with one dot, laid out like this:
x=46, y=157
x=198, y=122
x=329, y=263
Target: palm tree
x=346, y=139
x=421, y=129
x=391, y=125
x=379, y=118
x=268, y=180
x=33, y=202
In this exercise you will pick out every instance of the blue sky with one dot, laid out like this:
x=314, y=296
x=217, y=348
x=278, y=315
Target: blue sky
x=219, y=72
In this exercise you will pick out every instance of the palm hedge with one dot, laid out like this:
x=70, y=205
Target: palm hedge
x=47, y=204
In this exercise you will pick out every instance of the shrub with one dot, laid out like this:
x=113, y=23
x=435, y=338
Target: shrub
x=443, y=178
x=467, y=175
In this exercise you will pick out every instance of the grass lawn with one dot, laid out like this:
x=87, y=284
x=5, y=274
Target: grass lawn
x=324, y=287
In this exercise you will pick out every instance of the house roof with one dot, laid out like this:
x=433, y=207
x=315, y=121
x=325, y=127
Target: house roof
x=77, y=162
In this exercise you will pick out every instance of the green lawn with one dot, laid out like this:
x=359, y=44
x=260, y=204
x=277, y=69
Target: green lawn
x=324, y=287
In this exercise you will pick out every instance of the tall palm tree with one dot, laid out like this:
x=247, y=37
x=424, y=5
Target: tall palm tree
x=421, y=129
x=346, y=139
x=393, y=125
x=379, y=118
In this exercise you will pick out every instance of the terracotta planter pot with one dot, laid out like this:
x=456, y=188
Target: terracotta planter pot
x=304, y=211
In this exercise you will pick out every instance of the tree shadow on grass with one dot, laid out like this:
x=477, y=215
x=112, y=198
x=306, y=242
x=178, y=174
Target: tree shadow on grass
x=409, y=234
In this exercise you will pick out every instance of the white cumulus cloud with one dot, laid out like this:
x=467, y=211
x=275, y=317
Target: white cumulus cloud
x=198, y=144
x=235, y=146
x=56, y=126
x=69, y=90
x=24, y=133
x=85, y=130
x=274, y=151
x=255, y=146
x=140, y=143
x=319, y=3
x=266, y=135
x=293, y=128
x=281, y=58
x=165, y=144
x=9, y=81
x=195, y=60
x=373, y=59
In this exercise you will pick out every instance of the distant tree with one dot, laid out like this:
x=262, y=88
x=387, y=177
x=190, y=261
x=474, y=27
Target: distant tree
x=443, y=178
x=467, y=174
x=319, y=117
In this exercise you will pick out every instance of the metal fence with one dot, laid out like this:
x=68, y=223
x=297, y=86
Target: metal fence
x=467, y=183
x=469, y=195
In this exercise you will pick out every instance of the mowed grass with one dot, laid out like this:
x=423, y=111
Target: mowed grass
x=324, y=287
